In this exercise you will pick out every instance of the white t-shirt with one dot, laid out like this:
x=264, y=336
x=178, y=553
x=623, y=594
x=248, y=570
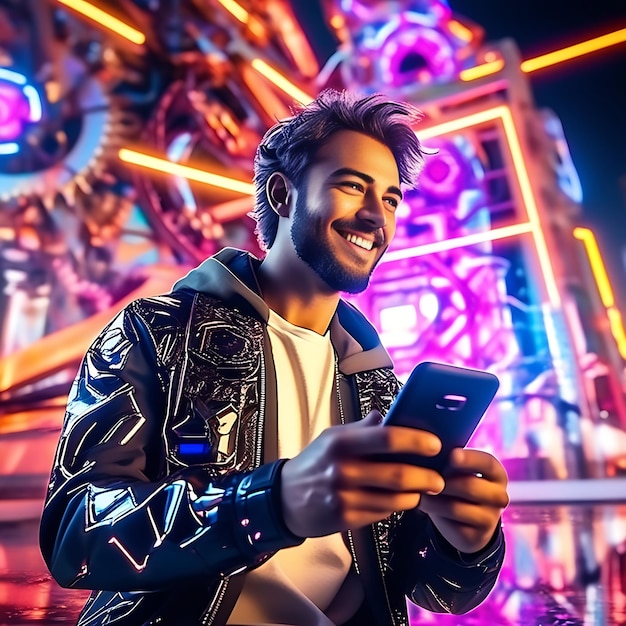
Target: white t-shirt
x=298, y=585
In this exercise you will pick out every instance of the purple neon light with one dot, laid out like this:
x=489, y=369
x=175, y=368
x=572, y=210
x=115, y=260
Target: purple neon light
x=14, y=111
x=445, y=174
x=410, y=40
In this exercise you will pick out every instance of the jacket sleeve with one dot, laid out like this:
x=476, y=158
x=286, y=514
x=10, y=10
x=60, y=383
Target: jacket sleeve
x=113, y=518
x=439, y=577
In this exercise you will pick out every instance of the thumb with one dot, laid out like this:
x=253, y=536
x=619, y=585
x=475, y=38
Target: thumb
x=373, y=418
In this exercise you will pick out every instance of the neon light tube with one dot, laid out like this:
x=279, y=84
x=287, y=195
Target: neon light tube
x=461, y=123
x=604, y=286
x=191, y=173
x=12, y=77
x=280, y=81
x=550, y=58
x=531, y=207
x=479, y=71
x=239, y=13
x=617, y=330
x=503, y=113
x=235, y=9
x=9, y=148
x=460, y=31
x=458, y=242
x=571, y=52
x=597, y=265
x=106, y=19
x=34, y=103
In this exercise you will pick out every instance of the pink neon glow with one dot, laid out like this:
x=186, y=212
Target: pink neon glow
x=465, y=317
x=445, y=174
x=14, y=111
x=412, y=52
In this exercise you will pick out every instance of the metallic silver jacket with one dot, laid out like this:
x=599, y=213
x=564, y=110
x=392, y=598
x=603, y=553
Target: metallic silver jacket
x=165, y=485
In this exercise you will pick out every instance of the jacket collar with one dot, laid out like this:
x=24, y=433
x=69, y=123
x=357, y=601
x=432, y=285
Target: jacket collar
x=230, y=276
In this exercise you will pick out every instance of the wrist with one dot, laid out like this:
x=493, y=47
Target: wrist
x=259, y=521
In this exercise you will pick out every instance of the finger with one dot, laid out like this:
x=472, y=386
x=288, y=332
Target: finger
x=356, y=518
x=473, y=489
x=367, y=438
x=373, y=418
x=458, y=511
x=395, y=477
x=468, y=461
x=377, y=502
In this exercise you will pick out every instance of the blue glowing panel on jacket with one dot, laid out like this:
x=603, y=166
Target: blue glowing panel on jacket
x=193, y=449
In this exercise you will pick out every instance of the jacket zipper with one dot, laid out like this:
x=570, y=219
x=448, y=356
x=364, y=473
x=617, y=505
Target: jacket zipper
x=211, y=612
x=349, y=532
x=342, y=419
x=262, y=401
x=380, y=567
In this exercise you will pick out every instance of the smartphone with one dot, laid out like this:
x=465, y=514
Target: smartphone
x=443, y=399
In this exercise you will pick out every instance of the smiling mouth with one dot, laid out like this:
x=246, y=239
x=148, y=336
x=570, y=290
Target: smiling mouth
x=365, y=244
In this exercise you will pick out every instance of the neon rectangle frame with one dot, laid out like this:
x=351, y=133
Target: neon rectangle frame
x=502, y=114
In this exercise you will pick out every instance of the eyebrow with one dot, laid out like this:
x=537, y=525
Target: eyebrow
x=343, y=171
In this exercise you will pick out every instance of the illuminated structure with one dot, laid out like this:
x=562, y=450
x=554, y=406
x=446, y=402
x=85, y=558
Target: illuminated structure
x=488, y=267
x=472, y=277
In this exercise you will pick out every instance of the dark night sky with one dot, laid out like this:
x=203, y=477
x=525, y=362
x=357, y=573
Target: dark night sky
x=588, y=94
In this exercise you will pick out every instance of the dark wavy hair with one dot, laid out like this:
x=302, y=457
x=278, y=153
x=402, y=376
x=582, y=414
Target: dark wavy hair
x=291, y=144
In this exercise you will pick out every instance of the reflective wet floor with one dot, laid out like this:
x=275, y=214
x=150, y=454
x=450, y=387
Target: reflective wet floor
x=565, y=566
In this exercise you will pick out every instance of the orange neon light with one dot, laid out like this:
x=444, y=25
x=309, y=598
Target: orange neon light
x=280, y=81
x=597, y=265
x=239, y=13
x=479, y=71
x=235, y=9
x=106, y=19
x=184, y=171
x=460, y=31
x=337, y=21
x=503, y=113
x=604, y=286
x=617, y=330
x=571, y=52
x=550, y=58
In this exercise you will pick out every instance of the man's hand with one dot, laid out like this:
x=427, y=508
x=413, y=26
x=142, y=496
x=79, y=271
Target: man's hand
x=467, y=511
x=335, y=483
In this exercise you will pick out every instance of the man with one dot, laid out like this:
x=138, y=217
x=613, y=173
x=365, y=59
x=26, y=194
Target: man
x=218, y=461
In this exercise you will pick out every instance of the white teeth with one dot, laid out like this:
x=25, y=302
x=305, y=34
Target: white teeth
x=359, y=241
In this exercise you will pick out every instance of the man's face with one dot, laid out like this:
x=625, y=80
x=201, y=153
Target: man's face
x=344, y=218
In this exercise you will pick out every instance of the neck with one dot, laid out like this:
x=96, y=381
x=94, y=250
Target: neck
x=300, y=298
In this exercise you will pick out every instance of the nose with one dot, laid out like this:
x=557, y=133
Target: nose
x=373, y=211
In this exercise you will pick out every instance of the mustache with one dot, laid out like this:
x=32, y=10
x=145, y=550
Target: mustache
x=363, y=229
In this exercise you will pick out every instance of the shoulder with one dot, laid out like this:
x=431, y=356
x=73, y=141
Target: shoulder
x=154, y=326
x=189, y=320
x=163, y=309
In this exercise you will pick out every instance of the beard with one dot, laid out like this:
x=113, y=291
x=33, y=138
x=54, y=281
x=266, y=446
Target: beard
x=310, y=240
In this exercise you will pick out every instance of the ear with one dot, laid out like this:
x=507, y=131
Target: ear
x=278, y=191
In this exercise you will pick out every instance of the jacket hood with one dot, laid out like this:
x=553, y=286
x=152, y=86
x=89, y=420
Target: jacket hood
x=230, y=276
